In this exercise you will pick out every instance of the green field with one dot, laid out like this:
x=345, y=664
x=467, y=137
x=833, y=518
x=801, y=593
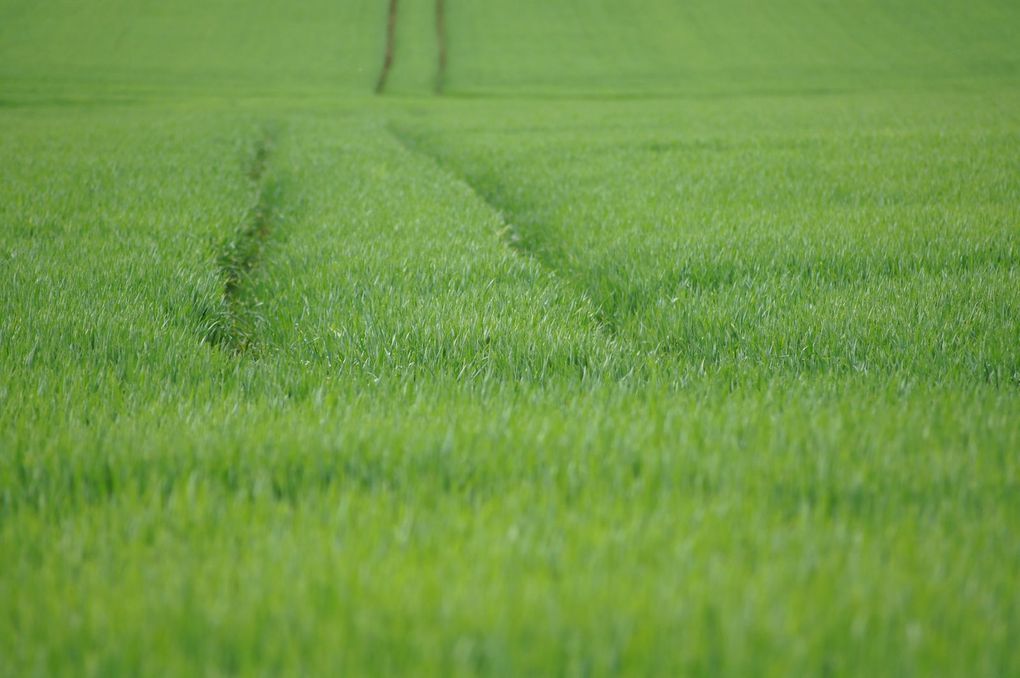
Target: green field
x=671, y=338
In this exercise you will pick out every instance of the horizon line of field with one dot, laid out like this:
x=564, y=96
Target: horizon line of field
x=389, y=51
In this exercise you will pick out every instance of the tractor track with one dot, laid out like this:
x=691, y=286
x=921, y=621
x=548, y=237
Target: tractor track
x=440, y=45
x=509, y=233
x=390, y=49
x=242, y=253
x=391, y=39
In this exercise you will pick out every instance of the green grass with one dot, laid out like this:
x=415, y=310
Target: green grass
x=674, y=341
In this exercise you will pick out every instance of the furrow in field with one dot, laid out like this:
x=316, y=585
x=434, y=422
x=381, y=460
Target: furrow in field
x=412, y=24
x=508, y=232
x=547, y=254
x=440, y=45
x=389, y=272
x=242, y=253
x=391, y=38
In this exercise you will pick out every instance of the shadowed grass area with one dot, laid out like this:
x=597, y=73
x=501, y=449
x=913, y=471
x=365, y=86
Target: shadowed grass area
x=242, y=253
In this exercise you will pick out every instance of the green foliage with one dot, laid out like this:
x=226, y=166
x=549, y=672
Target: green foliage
x=680, y=339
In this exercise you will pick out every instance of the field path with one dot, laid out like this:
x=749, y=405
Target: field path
x=391, y=37
x=441, y=45
x=545, y=254
x=408, y=27
x=242, y=253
